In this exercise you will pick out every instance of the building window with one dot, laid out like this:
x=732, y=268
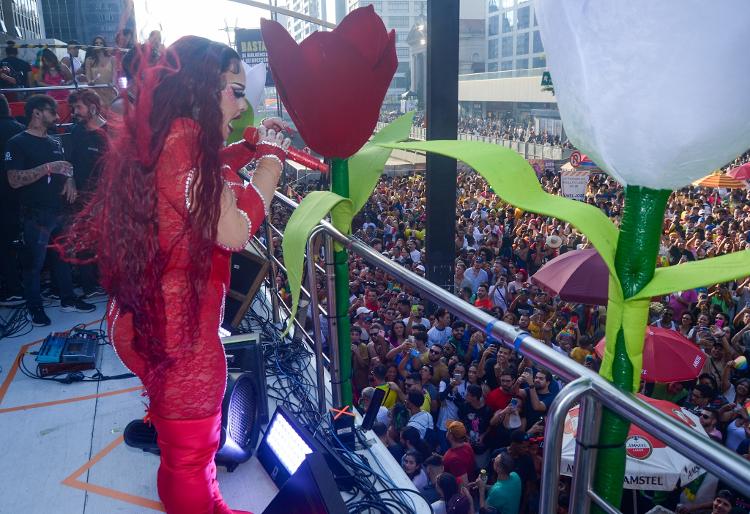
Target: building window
x=399, y=6
x=506, y=66
x=492, y=49
x=507, y=50
x=522, y=43
x=492, y=66
x=492, y=6
x=398, y=22
x=539, y=62
x=522, y=64
x=402, y=53
x=508, y=18
x=538, y=46
x=494, y=25
x=523, y=14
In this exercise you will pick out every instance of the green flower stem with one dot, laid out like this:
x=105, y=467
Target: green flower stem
x=340, y=186
x=635, y=261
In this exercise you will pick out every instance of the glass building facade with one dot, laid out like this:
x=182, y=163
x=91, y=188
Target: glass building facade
x=513, y=39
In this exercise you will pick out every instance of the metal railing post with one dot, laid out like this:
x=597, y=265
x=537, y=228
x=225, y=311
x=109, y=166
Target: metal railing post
x=553, y=434
x=333, y=339
x=587, y=435
x=271, y=271
x=312, y=284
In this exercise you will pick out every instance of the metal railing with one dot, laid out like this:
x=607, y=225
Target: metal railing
x=583, y=385
x=42, y=89
x=507, y=74
x=527, y=150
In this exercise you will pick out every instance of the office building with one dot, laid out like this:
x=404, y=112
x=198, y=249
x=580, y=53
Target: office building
x=85, y=19
x=22, y=19
x=513, y=38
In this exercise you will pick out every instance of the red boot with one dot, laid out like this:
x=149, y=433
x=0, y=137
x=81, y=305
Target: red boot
x=187, y=476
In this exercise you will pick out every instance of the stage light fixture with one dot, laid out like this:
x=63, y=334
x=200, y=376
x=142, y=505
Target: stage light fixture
x=284, y=446
x=311, y=489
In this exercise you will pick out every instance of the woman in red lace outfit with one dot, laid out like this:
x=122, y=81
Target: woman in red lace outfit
x=168, y=212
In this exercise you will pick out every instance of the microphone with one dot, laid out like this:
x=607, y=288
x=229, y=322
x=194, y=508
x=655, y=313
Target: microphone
x=250, y=135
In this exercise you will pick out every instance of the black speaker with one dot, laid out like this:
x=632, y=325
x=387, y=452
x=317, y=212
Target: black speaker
x=245, y=354
x=239, y=421
x=248, y=269
x=240, y=427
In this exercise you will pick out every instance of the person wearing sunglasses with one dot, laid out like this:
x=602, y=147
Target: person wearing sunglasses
x=193, y=213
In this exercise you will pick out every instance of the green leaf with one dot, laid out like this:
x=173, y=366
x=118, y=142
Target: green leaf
x=514, y=180
x=697, y=274
x=246, y=120
x=366, y=166
x=311, y=210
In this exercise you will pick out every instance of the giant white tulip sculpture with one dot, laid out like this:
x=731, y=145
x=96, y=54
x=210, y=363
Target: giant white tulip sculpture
x=656, y=93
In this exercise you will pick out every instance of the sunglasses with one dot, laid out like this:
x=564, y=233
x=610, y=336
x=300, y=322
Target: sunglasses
x=374, y=334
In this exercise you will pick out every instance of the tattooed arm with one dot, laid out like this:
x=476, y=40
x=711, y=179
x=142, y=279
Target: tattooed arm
x=21, y=178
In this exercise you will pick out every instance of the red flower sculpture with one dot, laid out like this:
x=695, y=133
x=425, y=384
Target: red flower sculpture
x=333, y=83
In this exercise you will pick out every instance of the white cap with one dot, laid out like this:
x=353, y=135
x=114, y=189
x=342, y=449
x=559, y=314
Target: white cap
x=363, y=310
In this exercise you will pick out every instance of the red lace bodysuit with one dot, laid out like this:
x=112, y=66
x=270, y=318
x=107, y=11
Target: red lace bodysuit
x=194, y=386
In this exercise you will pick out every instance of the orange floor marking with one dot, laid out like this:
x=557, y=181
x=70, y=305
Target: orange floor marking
x=14, y=369
x=72, y=481
x=70, y=400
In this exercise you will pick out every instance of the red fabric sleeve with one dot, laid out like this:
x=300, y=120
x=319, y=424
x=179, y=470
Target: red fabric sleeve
x=251, y=203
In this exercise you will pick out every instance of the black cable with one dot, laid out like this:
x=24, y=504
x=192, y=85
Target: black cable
x=18, y=323
x=291, y=384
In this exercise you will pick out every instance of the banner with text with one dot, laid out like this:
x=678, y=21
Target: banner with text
x=252, y=49
x=573, y=184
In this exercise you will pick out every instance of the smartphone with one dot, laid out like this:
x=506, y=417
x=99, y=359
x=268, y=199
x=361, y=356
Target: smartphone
x=415, y=309
x=719, y=323
x=514, y=403
x=528, y=370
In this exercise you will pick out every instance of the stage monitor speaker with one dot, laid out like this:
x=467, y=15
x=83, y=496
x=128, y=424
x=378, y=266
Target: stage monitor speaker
x=245, y=354
x=248, y=269
x=311, y=489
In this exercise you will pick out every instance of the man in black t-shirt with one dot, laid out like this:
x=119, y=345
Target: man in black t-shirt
x=14, y=72
x=87, y=145
x=35, y=166
x=10, y=227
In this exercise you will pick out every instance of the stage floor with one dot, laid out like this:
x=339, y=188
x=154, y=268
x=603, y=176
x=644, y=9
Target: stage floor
x=62, y=444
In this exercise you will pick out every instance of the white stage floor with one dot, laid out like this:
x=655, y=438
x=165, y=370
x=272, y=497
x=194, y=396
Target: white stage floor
x=62, y=446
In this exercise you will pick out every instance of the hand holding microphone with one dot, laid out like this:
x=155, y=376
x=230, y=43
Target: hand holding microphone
x=239, y=154
x=251, y=135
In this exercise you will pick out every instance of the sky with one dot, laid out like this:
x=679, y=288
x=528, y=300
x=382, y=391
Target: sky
x=177, y=18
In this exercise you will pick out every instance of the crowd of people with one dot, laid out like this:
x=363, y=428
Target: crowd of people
x=102, y=66
x=457, y=402
x=49, y=171
x=463, y=414
x=499, y=126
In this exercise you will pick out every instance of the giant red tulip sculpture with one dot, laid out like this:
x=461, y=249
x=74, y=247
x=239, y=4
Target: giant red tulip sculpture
x=332, y=85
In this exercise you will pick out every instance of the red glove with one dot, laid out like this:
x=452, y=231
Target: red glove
x=236, y=155
x=271, y=144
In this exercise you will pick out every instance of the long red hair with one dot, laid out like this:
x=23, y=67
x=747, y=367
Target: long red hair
x=119, y=224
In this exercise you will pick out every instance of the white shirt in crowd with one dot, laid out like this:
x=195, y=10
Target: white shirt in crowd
x=476, y=277
x=437, y=336
x=422, y=421
x=424, y=322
